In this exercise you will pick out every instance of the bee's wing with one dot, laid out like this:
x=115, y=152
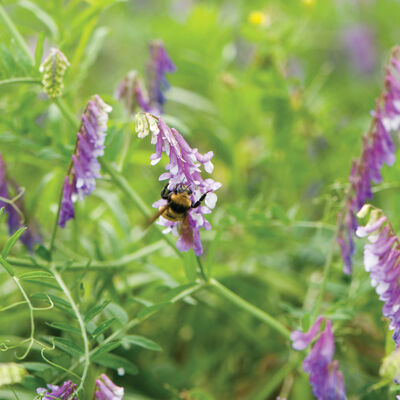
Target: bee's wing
x=156, y=215
x=186, y=232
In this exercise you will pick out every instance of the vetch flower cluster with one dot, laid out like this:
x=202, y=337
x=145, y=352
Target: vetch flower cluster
x=15, y=210
x=132, y=91
x=382, y=261
x=64, y=392
x=84, y=169
x=53, y=69
x=325, y=378
x=377, y=149
x=184, y=167
x=106, y=389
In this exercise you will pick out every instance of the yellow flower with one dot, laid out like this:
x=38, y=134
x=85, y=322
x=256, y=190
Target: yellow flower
x=259, y=18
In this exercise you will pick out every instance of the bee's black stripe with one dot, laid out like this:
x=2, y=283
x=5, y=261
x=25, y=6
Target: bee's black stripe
x=178, y=208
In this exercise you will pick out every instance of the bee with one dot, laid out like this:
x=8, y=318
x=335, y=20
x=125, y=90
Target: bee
x=178, y=206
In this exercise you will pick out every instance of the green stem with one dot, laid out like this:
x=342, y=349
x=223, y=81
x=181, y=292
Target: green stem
x=14, y=81
x=327, y=267
x=55, y=226
x=15, y=33
x=203, y=275
x=250, y=308
x=86, y=356
x=120, y=181
x=66, y=111
x=95, y=265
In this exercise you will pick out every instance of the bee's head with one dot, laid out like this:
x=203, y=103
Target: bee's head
x=182, y=188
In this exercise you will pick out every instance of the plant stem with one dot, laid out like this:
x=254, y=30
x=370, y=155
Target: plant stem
x=55, y=226
x=15, y=33
x=66, y=111
x=250, y=308
x=14, y=81
x=86, y=357
x=203, y=275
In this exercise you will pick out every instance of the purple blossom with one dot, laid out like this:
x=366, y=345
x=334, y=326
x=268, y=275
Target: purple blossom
x=63, y=392
x=183, y=168
x=84, y=169
x=160, y=63
x=16, y=211
x=325, y=378
x=377, y=149
x=381, y=257
x=360, y=46
x=133, y=93
x=107, y=390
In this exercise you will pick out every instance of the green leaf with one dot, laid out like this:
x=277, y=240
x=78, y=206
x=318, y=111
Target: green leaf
x=118, y=312
x=7, y=266
x=11, y=241
x=64, y=327
x=104, y=349
x=142, y=342
x=35, y=366
x=306, y=322
x=93, y=311
x=41, y=15
x=68, y=346
x=35, y=275
x=115, y=362
x=39, y=49
x=43, y=252
x=103, y=327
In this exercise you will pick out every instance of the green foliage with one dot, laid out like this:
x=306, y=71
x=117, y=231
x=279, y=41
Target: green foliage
x=271, y=89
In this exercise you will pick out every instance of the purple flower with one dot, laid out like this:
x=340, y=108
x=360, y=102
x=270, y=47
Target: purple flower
x=381, y=256
x=63, y=392
x=133, y=94
x=15, y=210
x=377, y=149
x=183, y=168
x=108, y=390
x=325, y=378
x=159, y=64
x=132, y=91
x=84, y=169
x=359, y=43
x=302, y=339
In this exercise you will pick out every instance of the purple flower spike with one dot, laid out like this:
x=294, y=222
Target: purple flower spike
x=84, y=169
x=16, y=211
x=325, y=378
x=159, y=64
x=183, y=168
x=382, y=261
x=377, y=150
x=106, y=389
x=63, y=392
x=301, y=340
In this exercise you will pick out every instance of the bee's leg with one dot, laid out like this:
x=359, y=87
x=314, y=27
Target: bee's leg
x=165, y=192
x=198, y=202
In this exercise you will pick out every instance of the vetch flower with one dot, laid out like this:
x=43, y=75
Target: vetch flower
x=377, y=150
x=84, y=169
x=132, y=91
x=183, y=168
x=159, y=64
x=53, y=69
x=381, y=260
x=63, y=392
x=106, y=389
x=15, y=210
x=325, y=378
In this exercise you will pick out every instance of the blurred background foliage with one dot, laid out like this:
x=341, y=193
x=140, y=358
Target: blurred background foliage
x=281, y=92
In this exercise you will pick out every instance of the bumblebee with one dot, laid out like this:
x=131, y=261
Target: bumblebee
x=178, y=206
